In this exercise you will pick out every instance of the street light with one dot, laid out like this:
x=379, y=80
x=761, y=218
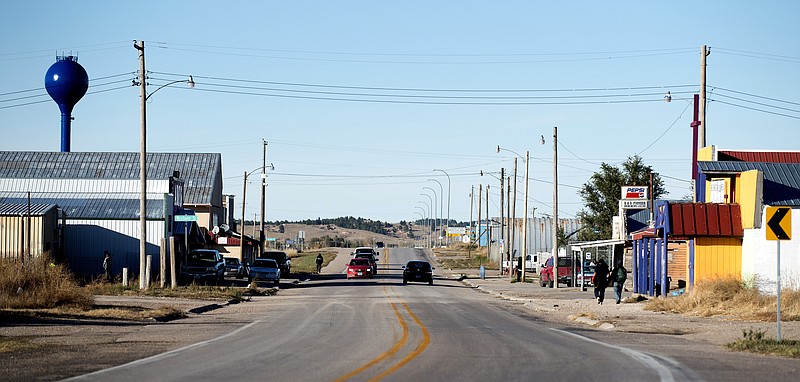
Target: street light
x=143, y=281
x=435, y=219
x=429, y=217
x=448, y=199
x=421, y=216
x=524, y=253
x=244, y=196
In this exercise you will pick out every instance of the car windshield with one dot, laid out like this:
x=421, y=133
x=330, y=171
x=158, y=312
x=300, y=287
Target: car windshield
x=265, y=263
x=364, y=256
x=202, y=257
x=231, y=261
x=564, y=262
x=364, y=250
x=418, y=265
x=359, y=262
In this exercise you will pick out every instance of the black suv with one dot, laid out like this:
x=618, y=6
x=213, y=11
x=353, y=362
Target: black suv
x=417, y=270
x=203, y=265
x=284, y=263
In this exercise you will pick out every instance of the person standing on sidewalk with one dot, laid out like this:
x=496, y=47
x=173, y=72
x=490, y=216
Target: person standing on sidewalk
x=600, y=280
x=618, y=277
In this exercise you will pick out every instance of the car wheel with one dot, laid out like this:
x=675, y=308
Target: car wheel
x=277, y=282
x=405, y=281
x=551, y=283
x=430, y=282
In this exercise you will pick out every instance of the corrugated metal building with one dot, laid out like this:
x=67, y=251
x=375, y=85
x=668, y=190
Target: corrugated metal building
x=28, y=230
x=99, y=193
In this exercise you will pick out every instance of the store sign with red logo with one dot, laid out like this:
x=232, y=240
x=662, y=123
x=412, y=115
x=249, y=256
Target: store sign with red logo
x=634, y=192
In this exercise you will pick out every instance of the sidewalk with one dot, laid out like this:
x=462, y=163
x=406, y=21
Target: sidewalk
x=571, y=306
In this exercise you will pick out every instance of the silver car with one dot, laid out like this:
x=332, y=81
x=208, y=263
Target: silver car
x=265, y=269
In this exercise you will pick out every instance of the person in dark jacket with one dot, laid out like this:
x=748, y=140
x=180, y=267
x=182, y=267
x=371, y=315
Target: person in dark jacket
x=600, y=280
x=618, y=276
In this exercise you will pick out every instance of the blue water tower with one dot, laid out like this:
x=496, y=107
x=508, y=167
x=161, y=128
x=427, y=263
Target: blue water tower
x=66, y=82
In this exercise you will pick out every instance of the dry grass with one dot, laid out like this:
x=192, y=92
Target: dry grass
x=306, y=262
x=457, y=249
x=40, y=284
x=730, y=297
x=194, y=291
x=8, y=345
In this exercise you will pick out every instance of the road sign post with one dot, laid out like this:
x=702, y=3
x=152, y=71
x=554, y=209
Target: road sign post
x=779, y=227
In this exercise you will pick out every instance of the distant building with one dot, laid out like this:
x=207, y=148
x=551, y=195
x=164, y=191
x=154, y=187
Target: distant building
x=99, y=195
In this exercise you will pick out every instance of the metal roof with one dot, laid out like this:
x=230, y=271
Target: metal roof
x=74, y=208
x=781, y=180
x=201, y=172
x=8, y=209
x=759, y=156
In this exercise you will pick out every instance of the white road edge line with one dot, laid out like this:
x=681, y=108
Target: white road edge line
x=162, y=355
x=664, y=373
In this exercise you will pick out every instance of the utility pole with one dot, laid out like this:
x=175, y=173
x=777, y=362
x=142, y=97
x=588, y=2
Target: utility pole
x=471, y=230
x=480, y=196
x=509, y=225
x=488, y=228
x=555, y=206
x=143, y=283
x=501, y=255
x=241, y=230
x=525, y=217
x=704, y=52
x=513, y=223
x=263, y=194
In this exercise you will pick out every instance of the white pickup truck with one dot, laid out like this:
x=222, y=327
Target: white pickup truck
x=530, y=263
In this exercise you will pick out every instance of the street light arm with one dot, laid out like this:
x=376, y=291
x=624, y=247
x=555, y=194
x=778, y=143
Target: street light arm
x=190, y=82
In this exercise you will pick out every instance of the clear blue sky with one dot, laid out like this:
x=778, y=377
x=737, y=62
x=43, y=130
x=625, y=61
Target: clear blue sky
x=421, y=83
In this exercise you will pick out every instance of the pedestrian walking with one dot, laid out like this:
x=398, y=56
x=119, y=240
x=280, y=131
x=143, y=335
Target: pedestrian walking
x=618, y=277
x=600, y=280
x=107, y=265
x=319, y=261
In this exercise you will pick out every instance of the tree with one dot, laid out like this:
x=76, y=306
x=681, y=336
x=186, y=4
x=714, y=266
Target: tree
x=601, y=194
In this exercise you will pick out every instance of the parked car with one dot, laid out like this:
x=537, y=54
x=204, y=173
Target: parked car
x=418, y=270
x=234, y=268
x=373, y=261
x=359, y=267
x=564, y=272
x=283, y=260
x=265, y=269
x=203, y=265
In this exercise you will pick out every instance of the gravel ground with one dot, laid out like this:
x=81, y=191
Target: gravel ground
x=70, y=347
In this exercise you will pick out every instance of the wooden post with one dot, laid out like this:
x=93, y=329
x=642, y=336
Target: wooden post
x=163, y=262
x=148, y=266
x=172, y=262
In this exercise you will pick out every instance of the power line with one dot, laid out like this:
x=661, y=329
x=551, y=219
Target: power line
x=755, y=109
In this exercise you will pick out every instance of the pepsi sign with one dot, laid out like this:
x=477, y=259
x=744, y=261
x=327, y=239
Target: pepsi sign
x=634, y=192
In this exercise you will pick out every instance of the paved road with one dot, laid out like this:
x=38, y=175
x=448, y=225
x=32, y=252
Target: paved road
x=376, y=329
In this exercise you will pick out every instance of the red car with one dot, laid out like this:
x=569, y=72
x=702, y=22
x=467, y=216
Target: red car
x=359, y=267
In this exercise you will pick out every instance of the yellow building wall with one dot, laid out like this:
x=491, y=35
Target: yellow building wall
x=706, y=154
x=749, y=200
x=717, y=257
